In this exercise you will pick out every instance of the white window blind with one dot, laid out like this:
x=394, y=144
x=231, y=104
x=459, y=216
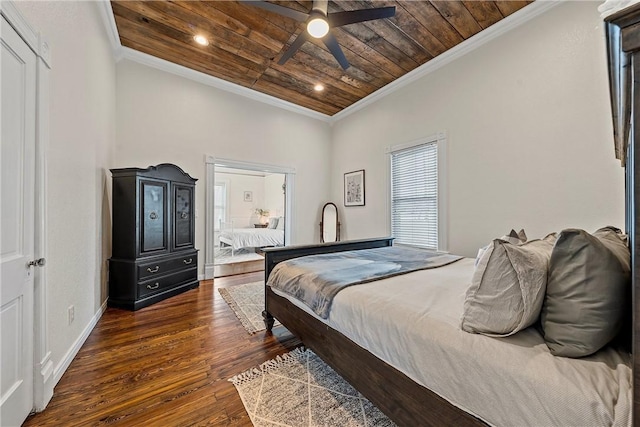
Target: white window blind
x=414, y=195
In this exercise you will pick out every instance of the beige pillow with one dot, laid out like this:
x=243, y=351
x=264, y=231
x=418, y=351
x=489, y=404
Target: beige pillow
x=507, y=287
x=515, y=237
x=589, y=287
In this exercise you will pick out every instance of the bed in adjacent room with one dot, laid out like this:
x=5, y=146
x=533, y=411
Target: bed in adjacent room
x=239, y=238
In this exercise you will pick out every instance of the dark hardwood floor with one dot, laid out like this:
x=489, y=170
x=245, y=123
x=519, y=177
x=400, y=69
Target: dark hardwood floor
x=164, y=365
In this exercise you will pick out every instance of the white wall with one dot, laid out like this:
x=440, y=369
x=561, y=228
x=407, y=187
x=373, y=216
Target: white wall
x=529, y=135
x=527, y=117
x=266, y=192
x=82, y=135
x=242, y=212
x=162, y=117
x=274, y=195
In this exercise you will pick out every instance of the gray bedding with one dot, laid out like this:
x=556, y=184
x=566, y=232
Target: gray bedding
x=315, y=280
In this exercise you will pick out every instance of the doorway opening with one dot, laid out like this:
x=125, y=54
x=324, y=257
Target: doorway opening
x=248, y=207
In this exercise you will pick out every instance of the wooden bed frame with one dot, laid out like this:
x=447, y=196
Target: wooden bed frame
x=400, y=398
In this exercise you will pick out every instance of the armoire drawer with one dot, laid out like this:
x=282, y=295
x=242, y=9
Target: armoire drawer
x=169, y=281
x=165, y=266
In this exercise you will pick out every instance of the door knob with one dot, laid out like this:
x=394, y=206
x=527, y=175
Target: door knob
x=40, y=262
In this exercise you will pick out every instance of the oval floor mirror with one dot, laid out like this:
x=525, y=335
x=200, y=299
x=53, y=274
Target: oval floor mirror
x=329, y=224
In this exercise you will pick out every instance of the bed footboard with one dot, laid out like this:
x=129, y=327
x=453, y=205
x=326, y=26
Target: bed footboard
x=226, y=227
x=273, y=256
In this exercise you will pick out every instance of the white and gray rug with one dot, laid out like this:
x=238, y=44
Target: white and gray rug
x=299, y=389
x=247, y=302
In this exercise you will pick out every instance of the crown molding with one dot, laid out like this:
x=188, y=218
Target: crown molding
x=496, y=30
x=188, y=73
x=109, y=22
x=121, y=52
x=516, y=19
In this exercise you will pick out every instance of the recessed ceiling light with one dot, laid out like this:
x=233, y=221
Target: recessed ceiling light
x=318, y=88
x=202, y=40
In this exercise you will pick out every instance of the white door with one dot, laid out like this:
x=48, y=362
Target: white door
x=17, y=186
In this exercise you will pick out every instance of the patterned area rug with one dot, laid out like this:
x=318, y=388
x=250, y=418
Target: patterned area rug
x=247, y=302
x=299, y=389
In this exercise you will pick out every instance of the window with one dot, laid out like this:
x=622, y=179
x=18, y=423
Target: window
x=414, y=194
x=220, y=204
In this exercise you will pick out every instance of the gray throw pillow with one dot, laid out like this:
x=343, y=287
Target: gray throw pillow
x=273, y=222
x=507, y=287
x=587, y=290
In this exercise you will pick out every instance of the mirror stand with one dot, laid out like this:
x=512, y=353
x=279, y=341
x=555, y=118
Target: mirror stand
x=329, y=224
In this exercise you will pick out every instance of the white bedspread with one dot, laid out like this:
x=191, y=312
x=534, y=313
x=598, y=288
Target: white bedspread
x=252, y=237
x=413, y=324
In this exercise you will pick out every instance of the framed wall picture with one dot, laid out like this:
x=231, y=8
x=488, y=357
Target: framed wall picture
x=248, y=196
x=354, y=188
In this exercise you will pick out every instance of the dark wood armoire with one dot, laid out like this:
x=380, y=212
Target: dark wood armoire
x=153, y=236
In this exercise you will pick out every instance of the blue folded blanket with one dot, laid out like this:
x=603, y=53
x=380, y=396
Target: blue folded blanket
x=316, y=279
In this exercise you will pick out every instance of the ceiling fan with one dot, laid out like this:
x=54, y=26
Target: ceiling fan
x=319, y=23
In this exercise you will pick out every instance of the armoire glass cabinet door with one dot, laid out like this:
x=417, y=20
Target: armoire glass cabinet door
x=183, y=216
x=153, y=218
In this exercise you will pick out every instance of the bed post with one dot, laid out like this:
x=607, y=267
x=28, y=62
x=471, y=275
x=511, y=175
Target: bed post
x=623, y=51
x=267, y=317
x=632, y=189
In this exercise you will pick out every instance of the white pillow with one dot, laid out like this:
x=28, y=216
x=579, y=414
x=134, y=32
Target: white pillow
x=280, y=225
x=273, y=222
x=507, y=288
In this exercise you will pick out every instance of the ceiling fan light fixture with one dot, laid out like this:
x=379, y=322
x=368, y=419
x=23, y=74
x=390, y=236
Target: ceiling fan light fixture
x=201, y=40
x=318, y=27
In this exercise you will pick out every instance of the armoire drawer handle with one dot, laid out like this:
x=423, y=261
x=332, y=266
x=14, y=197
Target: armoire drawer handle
x=153, y=215
x=154, y=286
x=184, y=215
x=188, y=262
x=153, y=270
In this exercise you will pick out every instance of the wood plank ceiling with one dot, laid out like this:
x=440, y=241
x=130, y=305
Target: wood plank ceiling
x=246, y=42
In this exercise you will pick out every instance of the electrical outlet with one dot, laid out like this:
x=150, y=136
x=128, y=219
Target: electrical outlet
x=72, y=313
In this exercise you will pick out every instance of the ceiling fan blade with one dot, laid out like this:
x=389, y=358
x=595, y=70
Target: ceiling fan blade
x=280, y=10
x=294, y=47
x=338, y=19
x=331, y=42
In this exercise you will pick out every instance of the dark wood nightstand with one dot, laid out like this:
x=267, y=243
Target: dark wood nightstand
x=260, y=225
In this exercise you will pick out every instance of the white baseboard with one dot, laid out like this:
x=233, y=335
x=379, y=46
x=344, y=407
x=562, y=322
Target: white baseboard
x=44, y=383
x=69, y=356
x=209, y=272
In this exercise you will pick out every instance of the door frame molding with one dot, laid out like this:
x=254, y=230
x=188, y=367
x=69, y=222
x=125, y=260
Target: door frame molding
x=43, y=377
x=210, y=164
